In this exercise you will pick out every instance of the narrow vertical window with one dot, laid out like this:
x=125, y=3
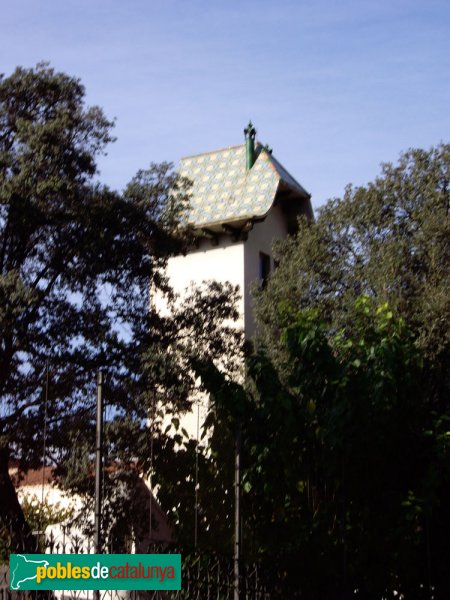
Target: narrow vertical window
x=264, y=268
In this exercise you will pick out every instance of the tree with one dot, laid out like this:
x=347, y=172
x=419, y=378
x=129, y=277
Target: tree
x=345, y=415
x=76, y=264
x=388, y=240
x=345, y=459
x=38, y=516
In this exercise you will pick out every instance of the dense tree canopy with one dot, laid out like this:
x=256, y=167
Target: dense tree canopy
x=77, y=262
x=388, y=240
x=347, y=459
x=345, y=414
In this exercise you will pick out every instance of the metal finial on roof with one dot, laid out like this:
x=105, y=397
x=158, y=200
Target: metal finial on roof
x=268, y=148
x=250, y=131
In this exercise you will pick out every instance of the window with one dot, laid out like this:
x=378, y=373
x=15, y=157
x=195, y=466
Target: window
x=264, y=268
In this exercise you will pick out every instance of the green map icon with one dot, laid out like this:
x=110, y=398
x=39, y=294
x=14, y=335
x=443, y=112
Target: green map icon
x=24, y=570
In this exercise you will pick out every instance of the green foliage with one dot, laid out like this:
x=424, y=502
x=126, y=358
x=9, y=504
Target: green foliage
x=346, y=468
x=345, y=414
x=38, y=515
x=79, y=265
x=41, y=514
x=175, y=468
x=388, y=240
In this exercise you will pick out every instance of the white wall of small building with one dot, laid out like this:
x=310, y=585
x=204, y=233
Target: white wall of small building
x=222, y=262
x=226, y=260
x=53, y=496
x=260, y=239
x=230, y=261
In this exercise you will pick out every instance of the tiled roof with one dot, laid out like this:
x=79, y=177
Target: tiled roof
x=223, y=190
x=32, y=477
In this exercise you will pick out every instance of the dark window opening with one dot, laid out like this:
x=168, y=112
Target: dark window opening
x=264, y=268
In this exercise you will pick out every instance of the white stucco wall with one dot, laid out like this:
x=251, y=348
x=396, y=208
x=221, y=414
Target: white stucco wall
x=224, y=262
x=235, y=262
x=260, y=239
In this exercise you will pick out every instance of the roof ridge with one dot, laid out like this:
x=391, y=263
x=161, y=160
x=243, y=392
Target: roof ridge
x=213, y=151
x=278, y=166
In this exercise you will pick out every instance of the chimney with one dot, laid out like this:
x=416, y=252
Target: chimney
x=250, y=133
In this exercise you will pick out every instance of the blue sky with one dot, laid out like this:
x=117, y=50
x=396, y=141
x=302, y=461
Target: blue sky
x=335, y=87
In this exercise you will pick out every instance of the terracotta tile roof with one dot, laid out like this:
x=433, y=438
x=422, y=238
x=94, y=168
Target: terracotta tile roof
x=31, y=477
x=223, y=190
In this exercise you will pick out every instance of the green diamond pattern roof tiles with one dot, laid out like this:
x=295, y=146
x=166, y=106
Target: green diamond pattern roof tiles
x=224, y=191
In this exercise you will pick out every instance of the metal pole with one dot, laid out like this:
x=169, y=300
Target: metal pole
x=150, y=516
x=196, y=478
x=44, y=449
x=98, y=471
x=237, y=509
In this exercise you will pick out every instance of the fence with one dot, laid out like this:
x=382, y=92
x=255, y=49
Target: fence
x=205, y=576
